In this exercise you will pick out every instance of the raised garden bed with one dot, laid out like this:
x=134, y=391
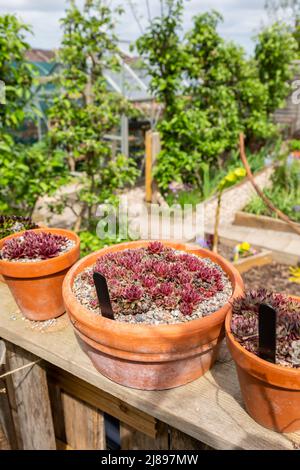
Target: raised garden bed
x=259, y=258
x=262, y=222
x=274, y=276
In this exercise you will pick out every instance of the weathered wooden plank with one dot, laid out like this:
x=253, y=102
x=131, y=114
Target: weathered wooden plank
x=181, y=441
x=10, y=438
x=261, y=259
x=60, y=445
x=262, y=221
x=7, y=431
x=103, y=401
x=57, y=411
x=32, y=400
x=84, y=424
x=209, y=409
x=131, y=439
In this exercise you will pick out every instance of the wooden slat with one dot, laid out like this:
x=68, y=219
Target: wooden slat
x=181, y=441
x=8, y=438
x=57, y=411
x=136, y=440
x=60, y=445
x=84, y=424
x=104, y=402
x=261, y=259
x=32, y=400
x=246, y=219
x=210, y=409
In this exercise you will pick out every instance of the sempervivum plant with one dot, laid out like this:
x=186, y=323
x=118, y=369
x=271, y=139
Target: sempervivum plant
x=33, y=245
x=244, y=324
x=12, y=223
x=156, y=275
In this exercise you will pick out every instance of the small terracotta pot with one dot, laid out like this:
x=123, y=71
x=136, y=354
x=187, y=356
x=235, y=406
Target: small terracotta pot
x=1, y=277
x=37, y=286
x=271, y=393
x=149, y=357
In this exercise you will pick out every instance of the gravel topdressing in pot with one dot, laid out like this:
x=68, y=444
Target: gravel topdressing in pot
x=156, y=285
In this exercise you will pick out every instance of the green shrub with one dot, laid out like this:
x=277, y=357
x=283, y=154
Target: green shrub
x=284, y=193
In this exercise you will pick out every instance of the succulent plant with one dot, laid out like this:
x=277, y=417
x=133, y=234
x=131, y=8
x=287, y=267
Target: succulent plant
x=33, y=245
x=156, y=275
x=244, y=324
x=10, y=224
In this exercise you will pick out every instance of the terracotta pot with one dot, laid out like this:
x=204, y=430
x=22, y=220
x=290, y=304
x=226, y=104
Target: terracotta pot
x=1, y=277
x=271, y=393
x=37, y=286
x=149, y=357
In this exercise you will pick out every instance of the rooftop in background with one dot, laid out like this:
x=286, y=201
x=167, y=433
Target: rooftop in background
x=40, y=55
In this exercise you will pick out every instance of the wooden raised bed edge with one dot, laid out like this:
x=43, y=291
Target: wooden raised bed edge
x=261, y=259
x=261, y=221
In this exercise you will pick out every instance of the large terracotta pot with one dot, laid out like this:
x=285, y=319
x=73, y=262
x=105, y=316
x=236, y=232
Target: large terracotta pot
x=37, y=286
x=271, y=393
x=149, y=357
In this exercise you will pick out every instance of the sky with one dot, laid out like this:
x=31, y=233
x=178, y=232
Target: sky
x=242, y=18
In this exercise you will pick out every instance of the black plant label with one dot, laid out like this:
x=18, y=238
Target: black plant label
x=103, y=296
x=267, y=317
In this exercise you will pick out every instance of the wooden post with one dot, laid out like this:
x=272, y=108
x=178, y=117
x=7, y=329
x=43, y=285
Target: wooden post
x=152, y=150
x=31, y=398
x=148, y=166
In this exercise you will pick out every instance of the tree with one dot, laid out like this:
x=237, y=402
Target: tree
x=85, y=110
x=164, y=55
x=212, y=93
x=25, y=172
x=288, y=12
x=15, y=71
x=274, y=53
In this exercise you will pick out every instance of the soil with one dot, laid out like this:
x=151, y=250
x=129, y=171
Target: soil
x=274, y=277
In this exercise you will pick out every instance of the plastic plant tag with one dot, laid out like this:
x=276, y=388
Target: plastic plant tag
x=267, y=316
x=103, y=296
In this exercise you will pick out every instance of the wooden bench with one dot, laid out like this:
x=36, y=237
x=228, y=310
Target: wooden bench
x=60, y=400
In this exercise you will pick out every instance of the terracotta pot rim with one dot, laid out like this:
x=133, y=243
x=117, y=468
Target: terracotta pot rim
x=45, y=267
x=256, y=362
x=82, y=315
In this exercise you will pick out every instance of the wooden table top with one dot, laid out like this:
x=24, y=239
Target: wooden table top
x=209, y=409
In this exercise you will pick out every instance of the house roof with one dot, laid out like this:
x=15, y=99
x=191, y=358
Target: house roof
x=40, y=55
